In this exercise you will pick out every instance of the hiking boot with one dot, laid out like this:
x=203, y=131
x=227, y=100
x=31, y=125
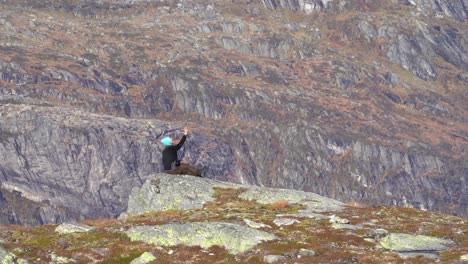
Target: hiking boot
x=204, y=172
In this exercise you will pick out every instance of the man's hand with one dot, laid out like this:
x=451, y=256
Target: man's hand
x=185, y=131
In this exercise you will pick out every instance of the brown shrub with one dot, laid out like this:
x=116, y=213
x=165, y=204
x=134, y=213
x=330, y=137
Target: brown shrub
x=279, y=204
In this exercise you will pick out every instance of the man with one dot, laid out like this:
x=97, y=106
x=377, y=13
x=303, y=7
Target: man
x=172, y=164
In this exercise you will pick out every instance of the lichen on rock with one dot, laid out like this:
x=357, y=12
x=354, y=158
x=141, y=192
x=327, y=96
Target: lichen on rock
x=163, y=192
x=235, y=238
x=146, y=257
x=6, y=257
x=410, y=243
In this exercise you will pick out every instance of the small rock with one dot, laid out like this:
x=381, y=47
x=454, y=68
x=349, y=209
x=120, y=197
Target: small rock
x=146, y=257
x=59, y=259
x=170, y=252
x=338, y=220
x=306, y=252
x=254, y=224
x=345, y=226
x=273, y=258
x=415, y=244
x=21, y=261
x=464, y=258
x=285, y=221
x=376, y=234
x=308, y=214
x=72, y=228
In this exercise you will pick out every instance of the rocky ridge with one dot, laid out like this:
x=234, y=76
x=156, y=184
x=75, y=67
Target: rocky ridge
x=263, y=227
x=354, y=100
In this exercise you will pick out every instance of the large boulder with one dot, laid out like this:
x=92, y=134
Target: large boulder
x=235, y=238
x=415, y=245
x=162, y=192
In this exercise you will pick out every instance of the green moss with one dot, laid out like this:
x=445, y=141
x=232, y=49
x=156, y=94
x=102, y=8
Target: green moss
x=125, y=258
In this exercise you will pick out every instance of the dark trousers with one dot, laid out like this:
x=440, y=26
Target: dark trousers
x=185, y=169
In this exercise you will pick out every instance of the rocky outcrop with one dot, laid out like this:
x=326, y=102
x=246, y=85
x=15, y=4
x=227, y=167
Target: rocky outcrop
x=163, y=192
x=411, y=245
x=235, y=238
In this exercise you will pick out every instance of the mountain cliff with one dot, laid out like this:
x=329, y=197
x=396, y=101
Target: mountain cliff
x=355, y=100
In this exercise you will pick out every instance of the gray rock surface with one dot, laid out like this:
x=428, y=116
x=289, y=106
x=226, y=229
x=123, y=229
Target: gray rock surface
x=162, y=192
x=6, y=257
x=254, y=224
x=415, y=244
x=312, y=201
x=235, y=238
x=306, y=252
x=285, y=221
x=145, y=258
x=72, y=228
x=55, y=259
x=273, y=258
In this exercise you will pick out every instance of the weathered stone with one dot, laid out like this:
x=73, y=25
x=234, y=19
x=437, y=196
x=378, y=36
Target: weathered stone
x=285, y=221
x=345, y=226
x=306, y=252
x=145, y=258
x=464, y=258
x=21, y=261
x=60, y=260
x=273, y=258
x=314, y=202
x=6, y=257
x=376, y=234
x=162, y=192
x=338, y=220
x=411, y=243
x=72, y=228
x=254, y=224
x=235, y=238
x=308, y=214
